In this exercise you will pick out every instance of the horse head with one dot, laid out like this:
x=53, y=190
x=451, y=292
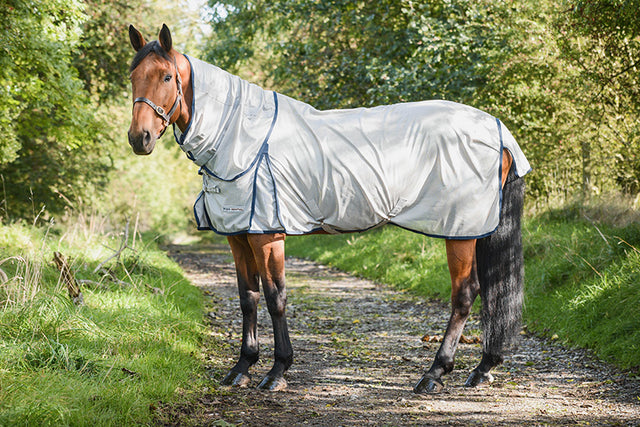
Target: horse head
x=156, y=88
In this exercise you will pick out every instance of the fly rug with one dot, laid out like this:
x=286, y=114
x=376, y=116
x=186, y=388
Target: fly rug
x=273, y=166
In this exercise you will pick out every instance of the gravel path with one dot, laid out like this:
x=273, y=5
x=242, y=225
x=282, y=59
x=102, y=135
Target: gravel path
x=359, y=349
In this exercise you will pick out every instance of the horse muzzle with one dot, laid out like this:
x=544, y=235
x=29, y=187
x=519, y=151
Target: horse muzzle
x=142, y=142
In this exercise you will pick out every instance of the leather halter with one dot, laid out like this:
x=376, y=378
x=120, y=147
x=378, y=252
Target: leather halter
x=166, y=117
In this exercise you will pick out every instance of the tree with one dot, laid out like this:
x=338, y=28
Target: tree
x=354, y=53
x=35, y=75
x=601, y=38
x=43, y=109
x=102, y=53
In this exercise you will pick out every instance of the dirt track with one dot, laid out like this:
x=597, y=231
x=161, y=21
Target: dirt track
x=359, y=350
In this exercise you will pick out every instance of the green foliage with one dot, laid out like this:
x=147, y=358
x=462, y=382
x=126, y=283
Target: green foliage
x=601, y=39
x=133, y=343
x=38, y=85
x=613, y=19
x=49, y=119
x=35, y=40
x=353, y=53
x=526, y=89
x=103, y=52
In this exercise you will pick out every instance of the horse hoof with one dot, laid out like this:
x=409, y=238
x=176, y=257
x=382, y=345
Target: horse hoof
x=236, y=379
x=273, y=383
x=428, y=385
x=476, y=378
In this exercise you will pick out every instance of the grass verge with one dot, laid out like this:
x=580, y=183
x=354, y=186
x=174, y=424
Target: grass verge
x=134, y=342
x=581, y=277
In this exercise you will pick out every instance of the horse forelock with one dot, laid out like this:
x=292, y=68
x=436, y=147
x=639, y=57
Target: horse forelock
x=151, y=47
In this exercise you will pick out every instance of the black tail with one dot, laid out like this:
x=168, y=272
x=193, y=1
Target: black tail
x=501, y=272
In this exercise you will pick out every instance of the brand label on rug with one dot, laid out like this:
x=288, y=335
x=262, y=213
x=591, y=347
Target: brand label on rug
x=232, y=209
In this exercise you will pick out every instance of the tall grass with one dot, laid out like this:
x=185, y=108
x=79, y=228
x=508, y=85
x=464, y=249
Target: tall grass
x=134, y=342
x=581, y=282
x=582, y=269
x=23, y=285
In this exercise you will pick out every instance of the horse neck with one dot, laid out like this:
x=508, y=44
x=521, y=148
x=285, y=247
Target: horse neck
x=184, y=68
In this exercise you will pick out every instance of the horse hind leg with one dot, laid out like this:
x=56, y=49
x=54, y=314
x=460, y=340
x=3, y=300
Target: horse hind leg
x=249, y=291
x=501, y=275
x=464, y=290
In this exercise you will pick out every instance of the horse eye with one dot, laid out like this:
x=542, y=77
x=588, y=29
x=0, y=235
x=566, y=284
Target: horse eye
x=167, y=78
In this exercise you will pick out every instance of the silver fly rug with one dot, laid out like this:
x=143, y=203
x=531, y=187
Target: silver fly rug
x=273, y=164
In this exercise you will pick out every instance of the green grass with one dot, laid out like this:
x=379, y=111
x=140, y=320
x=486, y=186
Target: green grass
x=582, y=284
x=581, y=278
x=108, y=362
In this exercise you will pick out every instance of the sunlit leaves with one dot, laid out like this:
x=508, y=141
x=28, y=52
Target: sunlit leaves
x=354, y=53
x=47, y=115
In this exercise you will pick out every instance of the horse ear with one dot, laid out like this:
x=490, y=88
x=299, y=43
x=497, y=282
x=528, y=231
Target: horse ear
x=137, y=41
x=165, y=38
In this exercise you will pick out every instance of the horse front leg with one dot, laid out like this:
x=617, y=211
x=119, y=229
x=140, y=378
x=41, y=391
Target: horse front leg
x=464, y=290
x=268, y=251
x=249, y=291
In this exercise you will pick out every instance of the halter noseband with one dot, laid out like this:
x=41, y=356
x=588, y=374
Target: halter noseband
x=166, y=117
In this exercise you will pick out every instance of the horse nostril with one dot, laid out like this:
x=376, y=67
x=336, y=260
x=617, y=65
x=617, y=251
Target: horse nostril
x=146, y=138
x=141, y=142
x=132, y=138
x=137, y=141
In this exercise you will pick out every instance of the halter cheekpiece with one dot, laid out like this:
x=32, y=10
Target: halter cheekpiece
x=166, y=117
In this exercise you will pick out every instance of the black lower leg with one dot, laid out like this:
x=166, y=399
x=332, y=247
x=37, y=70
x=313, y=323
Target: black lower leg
x=276, y=297
x=443, y=362
x=481, y=373
x=462, y=301
x=249, y=351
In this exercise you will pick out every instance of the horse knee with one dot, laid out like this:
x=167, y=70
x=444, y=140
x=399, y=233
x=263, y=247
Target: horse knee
x=249, y=302
x=462, y=301
x=462, y=310
x=276, y=297
x=277, y=307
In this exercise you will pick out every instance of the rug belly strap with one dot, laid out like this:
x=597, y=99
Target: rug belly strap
x=332, y=229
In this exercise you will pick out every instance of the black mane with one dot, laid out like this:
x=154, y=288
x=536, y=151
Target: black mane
x=148, y=48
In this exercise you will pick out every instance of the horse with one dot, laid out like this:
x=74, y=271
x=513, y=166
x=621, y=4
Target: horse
x=275, y=167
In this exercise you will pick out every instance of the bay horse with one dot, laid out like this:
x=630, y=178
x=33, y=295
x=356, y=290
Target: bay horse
x=273, y=166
